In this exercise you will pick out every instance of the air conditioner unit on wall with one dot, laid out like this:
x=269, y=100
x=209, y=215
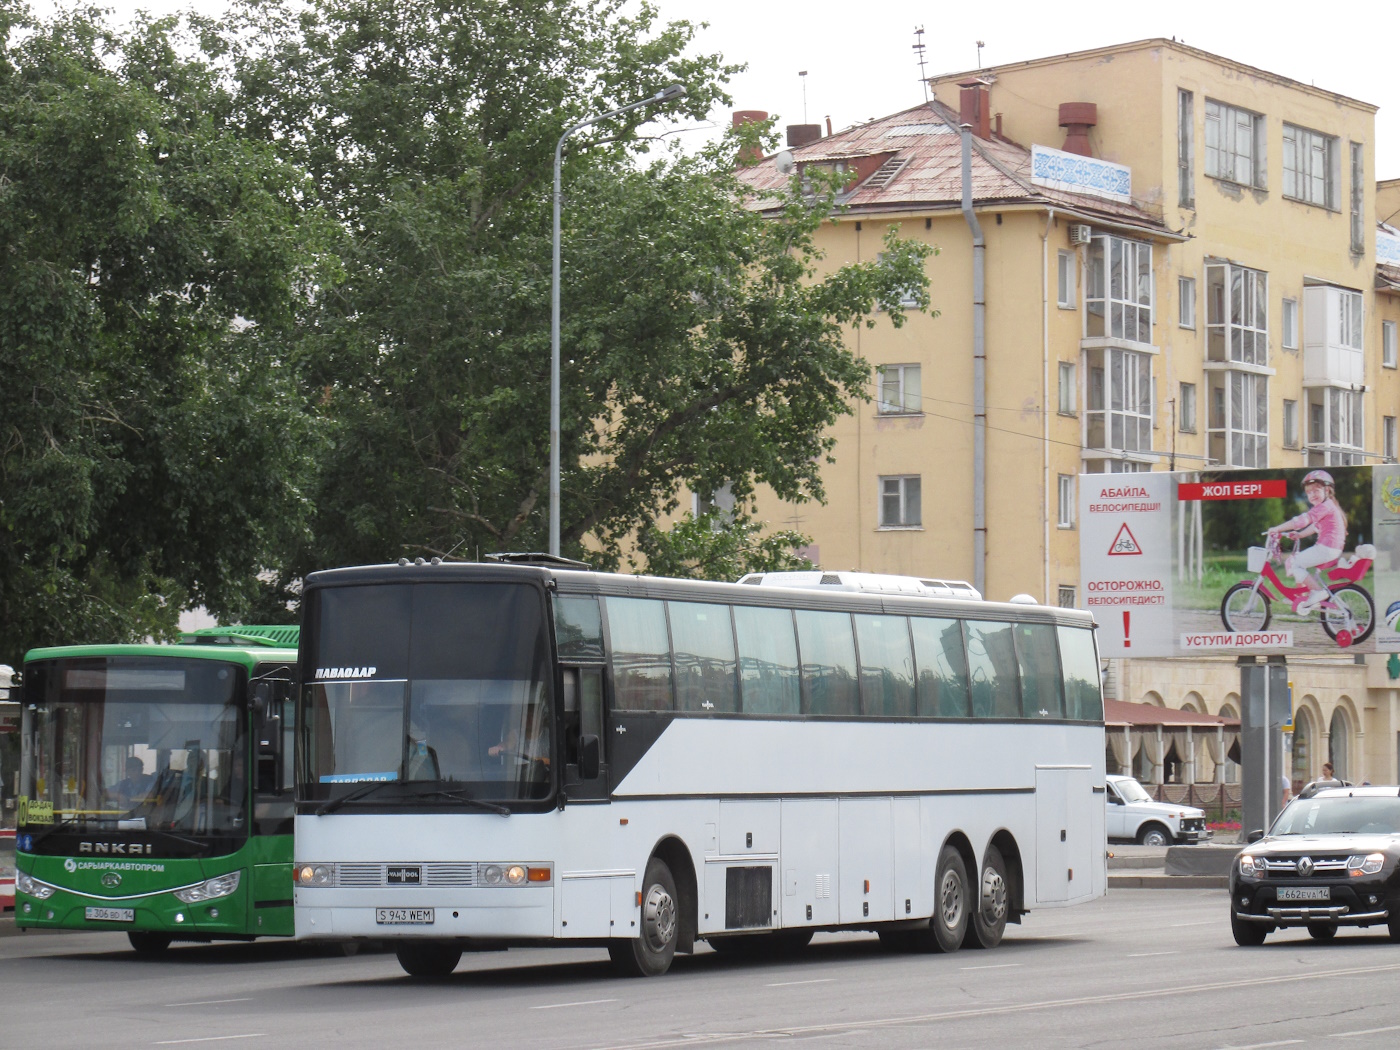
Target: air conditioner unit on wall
x=1080, y=234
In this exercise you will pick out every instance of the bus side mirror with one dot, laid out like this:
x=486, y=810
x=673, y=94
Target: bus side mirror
x=589, y=763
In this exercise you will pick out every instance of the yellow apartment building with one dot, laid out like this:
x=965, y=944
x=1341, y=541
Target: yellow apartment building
x=1187, y=262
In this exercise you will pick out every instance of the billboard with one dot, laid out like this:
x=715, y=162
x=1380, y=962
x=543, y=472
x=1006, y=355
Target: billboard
x=1303, y=560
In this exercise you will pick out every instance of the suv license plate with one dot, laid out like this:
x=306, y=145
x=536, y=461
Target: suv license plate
x=403, y=916
x=111, y=914
x=1304, y=893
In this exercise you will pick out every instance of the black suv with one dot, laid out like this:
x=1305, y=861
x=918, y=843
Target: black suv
x=1331, y=859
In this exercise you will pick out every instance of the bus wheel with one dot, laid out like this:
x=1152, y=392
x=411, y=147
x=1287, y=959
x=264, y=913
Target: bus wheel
x=650, y=954
x=145, y=943
x=988, y=920
x=428, y=959
x=951, y=905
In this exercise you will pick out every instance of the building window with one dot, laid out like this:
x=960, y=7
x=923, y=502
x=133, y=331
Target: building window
x=721, y=500
x=1310, y=163
x=1119, y=410
x=899, y=393
x=1237, y=432
x=1186, y=302
x=1068, y=389
x=1334, y=337
x=900, y=502
x=1290, y=424
x=1336, y=423
x=1237, y=315
x=1185, y=148
x=1358, y=198
x=1066, y=518
x=1388, y=344
x=1065, y=280
x=1119, y=292
x=1235, y=145
x=1186, y=409
x=1350, y=319
x=1066, y=597
x=1290, y=324
x=1388, y=437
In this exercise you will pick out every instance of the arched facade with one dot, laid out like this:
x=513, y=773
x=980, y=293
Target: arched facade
x=1340, y=732
x=1305, y=741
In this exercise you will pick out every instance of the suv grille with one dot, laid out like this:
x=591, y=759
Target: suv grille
x=1322, y=867
x=1193, y=823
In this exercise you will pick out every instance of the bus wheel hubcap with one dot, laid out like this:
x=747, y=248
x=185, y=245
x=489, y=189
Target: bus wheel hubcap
x=950, y=900
x=658, y=918
x=993, y=895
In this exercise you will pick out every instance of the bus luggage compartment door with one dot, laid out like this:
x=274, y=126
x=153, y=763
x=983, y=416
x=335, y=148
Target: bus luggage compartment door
x=867, y=860
x=1064, y=844
x=809, y=862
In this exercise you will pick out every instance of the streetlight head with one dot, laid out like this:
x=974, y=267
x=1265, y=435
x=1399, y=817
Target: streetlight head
x=669, y=92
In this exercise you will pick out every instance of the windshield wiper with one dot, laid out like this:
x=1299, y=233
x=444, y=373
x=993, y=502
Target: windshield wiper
x=334, y=804
x=461, y=796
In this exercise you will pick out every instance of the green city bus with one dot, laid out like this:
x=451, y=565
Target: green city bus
x=156, y=788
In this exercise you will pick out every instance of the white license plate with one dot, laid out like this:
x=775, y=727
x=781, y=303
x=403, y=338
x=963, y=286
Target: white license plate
x=1304, y=893
x=111, y=914
x=403, y=916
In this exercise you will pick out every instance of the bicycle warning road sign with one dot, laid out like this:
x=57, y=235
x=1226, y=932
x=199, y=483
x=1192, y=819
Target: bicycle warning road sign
x=1125, y=542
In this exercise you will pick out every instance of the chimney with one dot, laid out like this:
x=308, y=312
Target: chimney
x=974, y=107
x=1077, y=118
x=749, y=154
x=799, y=135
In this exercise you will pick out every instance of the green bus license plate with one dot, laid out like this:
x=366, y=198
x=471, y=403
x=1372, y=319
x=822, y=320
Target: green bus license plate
x=403, y=916
x=111, y=914
x=1305, y=893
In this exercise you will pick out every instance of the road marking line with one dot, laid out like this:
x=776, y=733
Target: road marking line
x=209, y=1039
x=789, y=984
x=1260, y=1046
x=1148, y=955
x=1367, y=1031
x=997, y=966
x=584, y=1002
x=704, y=1039
x=1203, y=922
x=212, y=1002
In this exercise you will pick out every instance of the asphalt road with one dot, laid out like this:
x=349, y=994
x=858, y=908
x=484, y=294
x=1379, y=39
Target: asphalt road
x=1140, y=968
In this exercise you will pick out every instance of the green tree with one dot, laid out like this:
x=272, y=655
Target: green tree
x=153, y=451
x=700, y=346
x=717, y=546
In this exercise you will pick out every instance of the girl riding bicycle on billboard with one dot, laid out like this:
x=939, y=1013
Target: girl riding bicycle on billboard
x=1324, y=519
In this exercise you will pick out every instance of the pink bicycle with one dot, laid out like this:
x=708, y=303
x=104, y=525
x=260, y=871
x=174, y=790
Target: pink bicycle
x=1348, y=613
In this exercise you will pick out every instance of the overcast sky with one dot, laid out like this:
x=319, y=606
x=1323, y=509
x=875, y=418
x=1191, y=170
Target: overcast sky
x=860, y=60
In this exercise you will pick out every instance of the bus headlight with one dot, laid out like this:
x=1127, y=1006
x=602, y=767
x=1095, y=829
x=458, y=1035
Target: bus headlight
x=506, y=874
x=1365, y=865
x=33, y=887
x=315, y=874
x=210, y=889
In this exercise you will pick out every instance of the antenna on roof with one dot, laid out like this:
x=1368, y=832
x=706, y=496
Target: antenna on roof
x=980, y=45
x=919, y=50
x=803, y=74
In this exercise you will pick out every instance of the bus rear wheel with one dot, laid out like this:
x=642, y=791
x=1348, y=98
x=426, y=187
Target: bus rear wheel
x=143, y=942
x=948, y=926
x=650, y=954
x=988, y=920
x=428, y=959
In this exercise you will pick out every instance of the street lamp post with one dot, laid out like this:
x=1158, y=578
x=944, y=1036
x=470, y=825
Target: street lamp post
x=664, y=95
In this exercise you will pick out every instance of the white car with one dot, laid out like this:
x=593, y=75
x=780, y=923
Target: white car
x=1134, y=817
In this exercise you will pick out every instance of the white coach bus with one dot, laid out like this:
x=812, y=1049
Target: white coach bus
x=519, y=754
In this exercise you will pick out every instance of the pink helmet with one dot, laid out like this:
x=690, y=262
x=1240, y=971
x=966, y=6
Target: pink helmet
x=1319, y=477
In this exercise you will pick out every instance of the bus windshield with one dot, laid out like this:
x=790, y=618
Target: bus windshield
x=135, y=744
x=440, y=689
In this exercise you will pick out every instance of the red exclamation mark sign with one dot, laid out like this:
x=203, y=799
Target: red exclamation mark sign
x=1127, y=630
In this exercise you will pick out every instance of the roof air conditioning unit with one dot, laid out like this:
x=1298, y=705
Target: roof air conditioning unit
x=1079, y=234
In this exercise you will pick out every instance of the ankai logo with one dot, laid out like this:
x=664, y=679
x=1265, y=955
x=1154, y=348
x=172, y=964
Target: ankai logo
x=345, y=672
x=122, y=849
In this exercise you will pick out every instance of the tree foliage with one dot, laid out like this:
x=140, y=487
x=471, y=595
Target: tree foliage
x=718, y=546
x=152, y=449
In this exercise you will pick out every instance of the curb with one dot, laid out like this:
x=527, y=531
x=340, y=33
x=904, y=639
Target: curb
x=1168, y=882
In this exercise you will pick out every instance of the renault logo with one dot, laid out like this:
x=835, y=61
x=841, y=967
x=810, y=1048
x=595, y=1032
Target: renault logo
x=111, y=880
x=1305, y=866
